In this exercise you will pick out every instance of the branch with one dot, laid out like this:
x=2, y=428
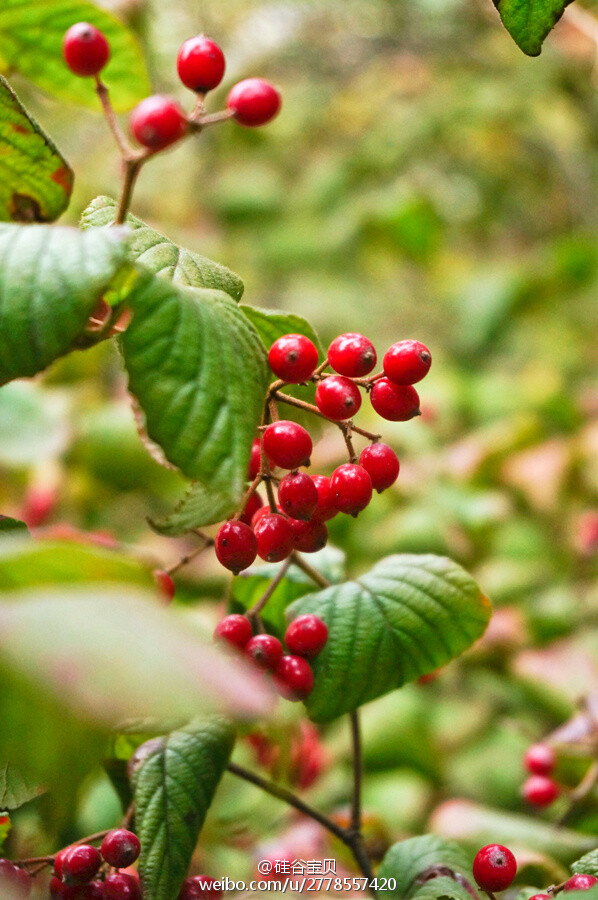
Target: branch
x=315, y=576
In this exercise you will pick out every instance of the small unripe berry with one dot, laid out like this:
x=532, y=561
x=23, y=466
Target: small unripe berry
x=120, y=848
x=122, y=886
x=407, y=362
x=539, y=759
x=309, y=537
x=85, y=49
x=352, y=354
x=540, y=791
x=580, y=883
x=235, y=546
x=351, y=488
x=80, y=864
x=306, y=636
x=325, y=509
x=298, y=495
x=265, y=650
x=199, y=887
x=494, y=867
x=253, y=102
x=234, y=629
x=157, y=122
x=274, y=537
x=14, y=881
x=251, y=507
x=255, y=460
x=165, y=583
x=287, y=444
x=293, y=358
x=338, y=397
x=382, y=465
x=395, y=402
x=293, y=678
x=200, y=64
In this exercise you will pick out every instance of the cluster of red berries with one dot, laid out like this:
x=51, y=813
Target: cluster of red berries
x=78, y=869
x=540, y=789
x=495, y=867
x=307, y=502
x=159, y=121
x=292, y=675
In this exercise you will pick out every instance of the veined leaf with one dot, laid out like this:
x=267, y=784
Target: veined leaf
x=530, y=21
x=271, y=324
x=410, y=861
x=201, y=505
x=15, y=788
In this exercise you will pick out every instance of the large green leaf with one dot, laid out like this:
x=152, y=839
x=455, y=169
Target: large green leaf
x=410, y=862
x=201, y=505
x=31, y=33
x=197, y=369
x=35, y=180
x=15, y=788
x=271, y=324
x=50, y=281
x=529, y=21
x=587, y=865
x=174, y=787
x=158, y=254
x=406, y=617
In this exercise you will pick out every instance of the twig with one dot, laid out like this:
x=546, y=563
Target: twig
x=309, y=407
x=132, y=169
x=587, y=784
x=110, y=116
x=357, y=772
x=250, y=490
x=315, y=576
x=258, y=606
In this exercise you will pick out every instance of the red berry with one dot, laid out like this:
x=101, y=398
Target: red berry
x=265, y=650
x=80, y=864
x=255, y=460
x=395, y=402
x=165, y=583
x=382, y=465
x=298, y=495
x=122, y=886
x=235, y=630
x=85, y=49
x=352, y=354
x=287, y=444
x=293, y=358
x=157, y=122
x=494, y=867
x=13, y=881
x=251, y=507
x=253, y=101
x=92, y=891
x=351, y=488
x=274, y=537
x=120, y=848
x=407, y=362
x=199, y=887
x=58, y=889
x=540, y=791
x=293, y=678
x=200, y=64
x=309, y=537
x=542, y=897
x=306, y=636
x=58, y=860
x=325, y=509
x=235, y=546
x=338, y=397
x=539, y=759
x=580, y=883
x=262, y=511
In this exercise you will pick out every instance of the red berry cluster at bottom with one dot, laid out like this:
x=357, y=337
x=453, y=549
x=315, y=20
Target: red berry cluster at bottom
x=80, y=871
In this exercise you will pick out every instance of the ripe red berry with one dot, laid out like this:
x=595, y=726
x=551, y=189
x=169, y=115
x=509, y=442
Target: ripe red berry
x=352, y=354
x=253, y=101
x=407, y=362
x=542, y=897
x=580, y=883
x=255, y=460
x=235, y=630
x=540, y=791
x=338, y=397
x=200, y=64
x=351, y=488
x=306, y=636
x=395, y=402
x=325, y=509
x=14, y=882
x=287, y=444
x=251, y=507
x=120, y=848
x=293, y=678
x=274, y=537
x=122, y=886
x=80, y=864
x=309, y=537
x=235, y=546
x=165, y=583
x=157, y=122
x=494, y=867
x=199, y=887
x=85, y=49
x=92, y=891
x=293, y=358
x=265, y=650
x=382, y=465
x=298, y=495
x=58, y=889
x=539, y=759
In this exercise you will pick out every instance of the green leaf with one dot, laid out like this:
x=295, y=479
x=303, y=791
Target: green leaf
x=406, y=617
x=271, y=324
x=159, y=255
x=174, y=787
x=15, y=789
x=197, y=369
x=50, y=281
x=31, y=33
x=530, y=21
x=35, y=180
x=587, y=865
x=34, y=424
x=200, y=506
x=408, y=860
x=10, y=525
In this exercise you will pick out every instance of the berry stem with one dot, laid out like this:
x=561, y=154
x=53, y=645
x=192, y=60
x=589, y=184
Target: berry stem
x=110, y=116
x=585, y=786
x=319, y=370
x=132, y=168
x=309, y=407
x=315, y=576
x=188, y=557
x=346, y=430
x=213, y=119
x=250, y=490
x=357, y=773
x=258, y=606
